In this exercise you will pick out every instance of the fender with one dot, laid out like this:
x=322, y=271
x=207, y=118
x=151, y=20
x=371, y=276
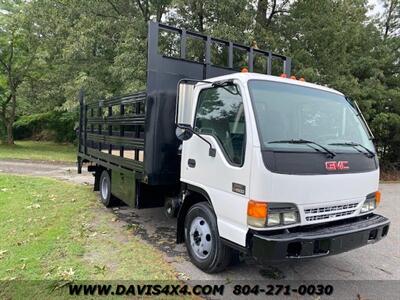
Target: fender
x=194, y=195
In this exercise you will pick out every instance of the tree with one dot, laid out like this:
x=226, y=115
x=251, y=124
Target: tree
x=267, y=12
x=386, y=123
x=18, y=46
x=50, y=49
x=346, y=50
x=391, y=18
x=99, y=46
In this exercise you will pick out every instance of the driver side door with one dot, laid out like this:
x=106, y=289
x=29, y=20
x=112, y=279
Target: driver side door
x=220, y=118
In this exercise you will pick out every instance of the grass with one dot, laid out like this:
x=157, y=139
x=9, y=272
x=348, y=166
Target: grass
x=33, y=150
x=56, y=231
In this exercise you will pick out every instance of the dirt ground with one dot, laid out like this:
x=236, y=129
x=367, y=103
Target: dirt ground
x=380, y=261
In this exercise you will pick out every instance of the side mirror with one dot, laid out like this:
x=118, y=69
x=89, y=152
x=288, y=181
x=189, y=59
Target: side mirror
x=184, y=112
x=184, y=102
x=183, y=134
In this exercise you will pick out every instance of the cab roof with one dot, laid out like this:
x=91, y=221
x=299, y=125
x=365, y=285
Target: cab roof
x=246, y=76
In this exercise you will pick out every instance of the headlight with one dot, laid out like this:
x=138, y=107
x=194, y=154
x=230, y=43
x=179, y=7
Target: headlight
x=290, y=217
x=274, y=219
x=262, y=214
x=371, y=202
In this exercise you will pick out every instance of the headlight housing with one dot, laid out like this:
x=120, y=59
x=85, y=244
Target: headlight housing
x=371, y=202
x=262, y=214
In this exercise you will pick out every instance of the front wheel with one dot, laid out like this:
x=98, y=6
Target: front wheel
x=203, y=243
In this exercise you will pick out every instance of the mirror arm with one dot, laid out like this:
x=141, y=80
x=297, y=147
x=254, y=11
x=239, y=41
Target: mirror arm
x=212, y=151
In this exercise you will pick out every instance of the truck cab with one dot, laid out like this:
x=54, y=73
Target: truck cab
x=248, y=158
x=294, y=175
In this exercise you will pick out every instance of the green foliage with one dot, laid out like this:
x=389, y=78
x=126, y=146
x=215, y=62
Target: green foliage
x=387, y=130
x=54, y=125
x=346, y=50
x=19, y=47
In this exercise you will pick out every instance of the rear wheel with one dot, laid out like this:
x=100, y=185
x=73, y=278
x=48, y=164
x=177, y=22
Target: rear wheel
x=171, y=207
x=203, y=243
x=105, y=190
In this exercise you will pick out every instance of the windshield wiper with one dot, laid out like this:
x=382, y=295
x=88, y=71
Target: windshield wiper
x=369, y=153
x=301, y=141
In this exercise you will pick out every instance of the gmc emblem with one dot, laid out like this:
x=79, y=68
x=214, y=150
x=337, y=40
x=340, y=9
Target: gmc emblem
x=337, y=165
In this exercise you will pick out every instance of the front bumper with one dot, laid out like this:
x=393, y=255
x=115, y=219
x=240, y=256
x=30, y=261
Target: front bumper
x=316, y=241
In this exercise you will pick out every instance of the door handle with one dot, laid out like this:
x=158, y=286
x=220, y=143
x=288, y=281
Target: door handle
x=191, y=162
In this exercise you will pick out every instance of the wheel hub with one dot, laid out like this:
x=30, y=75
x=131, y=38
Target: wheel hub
x=104, y=188
x=200, y=237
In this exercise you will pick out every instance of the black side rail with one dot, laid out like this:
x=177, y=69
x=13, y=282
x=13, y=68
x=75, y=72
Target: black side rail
x=111, y=132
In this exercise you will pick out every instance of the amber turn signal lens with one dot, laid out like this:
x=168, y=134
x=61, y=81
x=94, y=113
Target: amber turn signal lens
x=257, y=213
x=257, y=209
x=377, y=197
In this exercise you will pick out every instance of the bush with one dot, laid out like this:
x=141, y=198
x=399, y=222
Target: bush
x=51, y=126
x=386, y=127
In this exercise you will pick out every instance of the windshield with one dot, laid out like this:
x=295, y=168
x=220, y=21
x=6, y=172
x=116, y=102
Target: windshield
x=286, y=112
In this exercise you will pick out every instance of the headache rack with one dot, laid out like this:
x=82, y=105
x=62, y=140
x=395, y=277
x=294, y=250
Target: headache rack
x=136, y=132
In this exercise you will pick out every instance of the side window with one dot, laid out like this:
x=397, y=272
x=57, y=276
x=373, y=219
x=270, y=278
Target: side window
x=220, y=113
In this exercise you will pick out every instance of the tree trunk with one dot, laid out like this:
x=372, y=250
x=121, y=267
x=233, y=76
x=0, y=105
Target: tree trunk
x=10, y=134
x=261, y=17
x=388, y=21
x=261, y=22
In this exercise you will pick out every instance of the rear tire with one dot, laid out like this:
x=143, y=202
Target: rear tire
x=205, y=248
x=105, y=190
x=171, y=207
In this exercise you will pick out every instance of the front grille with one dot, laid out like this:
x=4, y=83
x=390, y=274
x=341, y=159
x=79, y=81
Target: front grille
x=329, y=216
x=330, y=208
x=329, y=212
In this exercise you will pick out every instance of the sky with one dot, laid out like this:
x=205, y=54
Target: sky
x=378, y=7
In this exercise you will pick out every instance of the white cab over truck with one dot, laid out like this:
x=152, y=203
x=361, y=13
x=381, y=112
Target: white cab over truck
x=270, y=166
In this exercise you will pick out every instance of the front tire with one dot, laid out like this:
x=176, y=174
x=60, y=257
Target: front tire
x=105, y=190
x=203, y=243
